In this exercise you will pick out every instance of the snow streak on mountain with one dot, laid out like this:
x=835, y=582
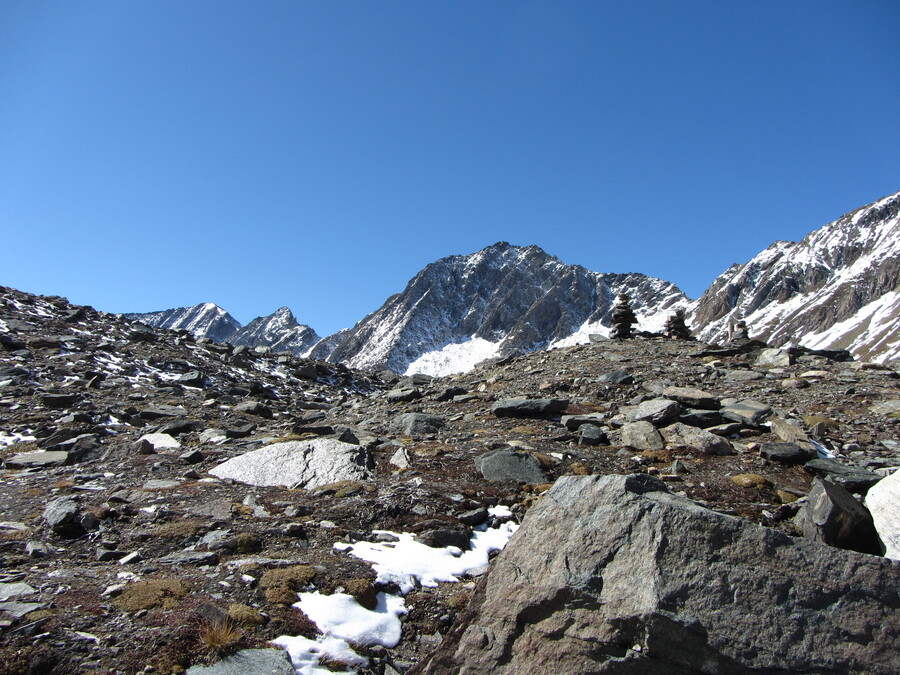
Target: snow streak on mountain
x=502, y=300
x=839, y=288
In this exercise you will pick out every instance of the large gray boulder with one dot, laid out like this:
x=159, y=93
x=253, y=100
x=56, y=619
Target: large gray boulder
x=307, y=464
x=613, y=574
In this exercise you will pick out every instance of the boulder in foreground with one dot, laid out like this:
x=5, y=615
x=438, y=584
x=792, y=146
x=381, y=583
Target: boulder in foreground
x=613, y=574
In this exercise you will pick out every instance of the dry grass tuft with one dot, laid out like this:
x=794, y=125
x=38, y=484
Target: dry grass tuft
x=220, y=637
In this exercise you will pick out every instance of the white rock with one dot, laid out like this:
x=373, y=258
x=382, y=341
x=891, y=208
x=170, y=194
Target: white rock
x=161, y=441
x=883, y=502
x=308, y=464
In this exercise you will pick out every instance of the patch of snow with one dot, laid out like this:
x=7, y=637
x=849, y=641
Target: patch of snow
x=305, y=654
x=340, y=615
x=409, y=563
x=453, y=358
x=582, y=335
x=7, y=439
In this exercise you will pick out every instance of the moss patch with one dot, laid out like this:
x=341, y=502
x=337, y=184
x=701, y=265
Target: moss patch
x=151, y=594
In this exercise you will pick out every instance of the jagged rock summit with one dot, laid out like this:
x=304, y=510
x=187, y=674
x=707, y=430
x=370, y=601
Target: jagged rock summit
x=500, y=301
x=203, y=320
x=280, y=330
x=838, y=288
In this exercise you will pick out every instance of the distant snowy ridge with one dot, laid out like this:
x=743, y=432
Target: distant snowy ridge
x=501, y=300
x=280, y=330
x=838, y=288
x=204, y=320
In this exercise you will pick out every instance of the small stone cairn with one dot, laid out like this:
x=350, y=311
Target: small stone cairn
x=675, y=326
x=622, y=317
x=739, y=332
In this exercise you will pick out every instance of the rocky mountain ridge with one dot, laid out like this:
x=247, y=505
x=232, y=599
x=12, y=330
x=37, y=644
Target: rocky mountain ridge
x=839, y=288
x=279, y=331
x=170, y=502
x=500, y=301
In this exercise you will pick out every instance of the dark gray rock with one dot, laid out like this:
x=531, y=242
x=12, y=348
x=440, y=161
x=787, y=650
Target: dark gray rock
x=254, y=408
x=403, y=394
x=703, y=419
x=751, y=413
x=190, y=558
x=832, y=516
x=192, y=378
x=616, y=377
x=59, y=400
x=510, y=465
x=529, y=407
x=61, y=516
x=786, y=453
x=613, y=574
x=692, y=397
x=416, y=424
x=591, y=434
x=573, y=422
x=851, y=477
x=444, y=537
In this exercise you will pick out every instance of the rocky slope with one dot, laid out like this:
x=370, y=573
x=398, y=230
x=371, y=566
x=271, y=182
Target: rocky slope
x=500, y=301
x=838, y=288
x=121, y=551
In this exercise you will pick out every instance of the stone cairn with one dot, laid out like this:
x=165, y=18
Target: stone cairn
x=675, y=326
x=622, y=317
x=739, y=332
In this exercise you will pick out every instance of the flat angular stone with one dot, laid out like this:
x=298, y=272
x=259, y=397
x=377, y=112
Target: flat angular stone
x=616, y=377
x=851, y=477
x=17, y=589
x=751, y=413
x=572, y=422
x=249, y=661
x=160, y=411
x=403, y=394
x=786, y=453
x=657, y=411
x=743, y=375
x=28, y=460
x=254, y=408
x=693, y=397
x=190, y=558
x=529, y=407
x=703, y=419
x=59, y=400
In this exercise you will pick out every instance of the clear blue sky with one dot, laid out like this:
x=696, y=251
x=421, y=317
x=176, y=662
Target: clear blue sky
x=155, y=154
